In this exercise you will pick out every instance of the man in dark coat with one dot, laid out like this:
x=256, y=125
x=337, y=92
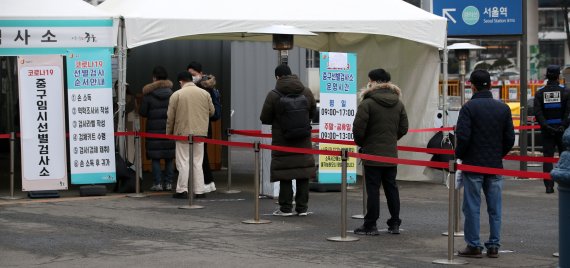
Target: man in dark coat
x=154, y=107
x=288, y=166
x=380, y=121
x=551, y=111
x=208, y=83
x=485, y=134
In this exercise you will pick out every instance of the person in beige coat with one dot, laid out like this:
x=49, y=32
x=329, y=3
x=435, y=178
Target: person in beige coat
x=189, y=111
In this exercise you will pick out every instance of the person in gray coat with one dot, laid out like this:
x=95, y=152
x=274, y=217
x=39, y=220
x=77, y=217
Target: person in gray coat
x=288, y=166
x=156, y=96
x=380, y=121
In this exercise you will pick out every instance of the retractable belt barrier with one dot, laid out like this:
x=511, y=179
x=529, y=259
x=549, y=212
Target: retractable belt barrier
x=432, y=164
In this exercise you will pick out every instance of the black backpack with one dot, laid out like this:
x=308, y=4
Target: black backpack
x=293, y=115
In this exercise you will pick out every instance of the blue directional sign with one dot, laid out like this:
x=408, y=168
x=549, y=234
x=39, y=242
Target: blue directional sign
x=480, y=17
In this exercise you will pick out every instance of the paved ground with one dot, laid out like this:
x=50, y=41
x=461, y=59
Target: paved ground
x=116, y=231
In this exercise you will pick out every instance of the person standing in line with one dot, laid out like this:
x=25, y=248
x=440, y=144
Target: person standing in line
x=154, y=107
x=380, y=121
x=287, y=166
x=485, y=134
x=188, y=113
x=208, y=83
x=551, y=111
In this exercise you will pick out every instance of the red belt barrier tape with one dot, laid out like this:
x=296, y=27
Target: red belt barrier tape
x=298, y=150
x=251, y=133
x=430, y=129
x=122, y=134
x=4, y=136
x=333, y=141
x=532, y=158
x=163, y=136
x=392, y=160
x=504, y=172
x=225, y=143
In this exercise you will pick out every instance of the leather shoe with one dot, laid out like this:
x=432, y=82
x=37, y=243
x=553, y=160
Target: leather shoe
x=183, y=195
x=493, y=252
x=198, y=196
x=549, y=190
x=470, y=252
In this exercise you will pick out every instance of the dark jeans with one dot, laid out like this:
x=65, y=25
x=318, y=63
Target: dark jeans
x=286, y=195
x=549, y=142
x=168, y=171
x=208, y=177
x=375, y=177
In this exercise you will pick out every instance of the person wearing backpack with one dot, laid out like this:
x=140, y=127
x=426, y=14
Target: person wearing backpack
x=380, y=121
x=208, y=83
x=288, y=109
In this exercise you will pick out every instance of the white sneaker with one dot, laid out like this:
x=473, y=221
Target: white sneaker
x=207, y=188
x=212, y=186
x=168, y=187
x=156, y=188
x=278, y=212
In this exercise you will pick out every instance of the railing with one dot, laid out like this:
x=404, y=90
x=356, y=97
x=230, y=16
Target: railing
x=507, y=93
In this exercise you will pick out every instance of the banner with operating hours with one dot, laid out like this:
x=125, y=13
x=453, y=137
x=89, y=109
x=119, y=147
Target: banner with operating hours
x=90, y=109
x=338, y=88
x=42, y=123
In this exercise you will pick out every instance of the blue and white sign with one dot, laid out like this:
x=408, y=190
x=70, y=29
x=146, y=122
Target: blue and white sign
x=90, y=106
x=480, y=17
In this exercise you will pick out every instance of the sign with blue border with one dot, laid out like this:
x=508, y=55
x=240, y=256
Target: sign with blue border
x=480, y=17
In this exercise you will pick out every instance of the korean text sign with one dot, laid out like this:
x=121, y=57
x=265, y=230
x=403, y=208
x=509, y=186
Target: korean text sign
x=90, y=109
x=42, y=120
x=338, y=88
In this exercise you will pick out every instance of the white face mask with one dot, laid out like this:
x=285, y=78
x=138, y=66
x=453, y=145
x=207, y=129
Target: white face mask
x=196, y=78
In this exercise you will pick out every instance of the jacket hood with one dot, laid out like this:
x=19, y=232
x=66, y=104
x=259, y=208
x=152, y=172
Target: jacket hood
x=161, y=89
x=208, y=81
x=385, y=94
x=158, y=84
x=289, y=84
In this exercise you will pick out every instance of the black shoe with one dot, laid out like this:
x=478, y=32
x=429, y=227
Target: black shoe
x=363, y=230
x=199, y=196
x=394, y=229
x=493, y=252
x=470, y=252
x=549, y=190
x=183, y=195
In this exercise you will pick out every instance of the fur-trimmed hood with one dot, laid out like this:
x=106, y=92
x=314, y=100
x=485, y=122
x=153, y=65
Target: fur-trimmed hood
x=386, y=94
x=208, y=81
x=158, y=84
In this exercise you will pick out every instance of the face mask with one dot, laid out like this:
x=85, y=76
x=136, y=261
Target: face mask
x=196, y=78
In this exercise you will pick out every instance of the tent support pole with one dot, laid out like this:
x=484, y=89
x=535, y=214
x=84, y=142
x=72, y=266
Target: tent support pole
x=122, y=51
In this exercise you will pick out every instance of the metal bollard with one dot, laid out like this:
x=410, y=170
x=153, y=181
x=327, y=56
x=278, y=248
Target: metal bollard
x=451, y=220
x=12, y=156
x=191, y=177
x=364, y=199
x=456, y=207
x=138, y=166
x=229, y=190
x=532, y=149
x=256, y=177
x=343, y=237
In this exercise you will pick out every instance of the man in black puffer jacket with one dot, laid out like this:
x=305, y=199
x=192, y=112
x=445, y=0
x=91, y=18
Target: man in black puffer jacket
x=154, y=107
x=485, y=134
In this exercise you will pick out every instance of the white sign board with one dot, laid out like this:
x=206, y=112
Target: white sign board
x=42, y=121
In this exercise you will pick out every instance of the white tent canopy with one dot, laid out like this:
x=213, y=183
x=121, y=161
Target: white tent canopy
x=150, y=21
x=389, y=34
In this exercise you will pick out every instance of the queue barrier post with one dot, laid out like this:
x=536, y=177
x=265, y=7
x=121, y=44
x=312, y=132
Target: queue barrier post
x=256, y=176
x=191, y=177
x=138, y=164
x=364, y=199
x=343, y=237
x=229, y=184
x=532, y=142
x=12, y=160
x=451, y=220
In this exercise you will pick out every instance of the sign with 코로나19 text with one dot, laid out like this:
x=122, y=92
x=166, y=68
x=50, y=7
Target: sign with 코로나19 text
x=42, y=120
x=90, y=109
x=337, y=111
x=480, y=17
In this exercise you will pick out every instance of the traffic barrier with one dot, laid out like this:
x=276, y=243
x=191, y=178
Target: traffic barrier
x=343, y=237
x=12, y=137
x=229, y=181
x=256, y=179
x=364, y=199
